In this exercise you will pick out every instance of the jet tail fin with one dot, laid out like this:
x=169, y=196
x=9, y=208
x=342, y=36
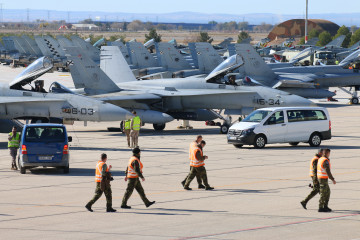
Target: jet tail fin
x=207, y=57
x=170, y=58
x=336, y=42
x=351, y=58
x=254, y=66
x=140, y=56
x=113, y=63
x=86, y=74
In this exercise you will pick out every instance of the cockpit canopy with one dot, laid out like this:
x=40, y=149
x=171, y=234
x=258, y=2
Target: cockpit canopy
x=32, y=72
x=227, y=66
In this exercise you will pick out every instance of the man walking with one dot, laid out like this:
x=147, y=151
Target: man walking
x=100, y=174
x=313, y=175
x=13, y=145
x=323, y=174
x=127, y=130
x=192, y=147
x=133, y=173
x=135, y=129
x=198, y=167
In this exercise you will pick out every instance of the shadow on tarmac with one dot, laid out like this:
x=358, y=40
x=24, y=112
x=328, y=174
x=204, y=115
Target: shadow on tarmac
x=3, y=145
x=73, y=172
x=302, y=147
x=171, y=150
x=347, y=211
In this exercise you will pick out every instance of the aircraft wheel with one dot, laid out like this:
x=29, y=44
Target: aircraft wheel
x=224, y=129
x=159, y=127
x=355, y=100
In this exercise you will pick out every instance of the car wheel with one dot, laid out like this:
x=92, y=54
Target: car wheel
x=22, y=169
x=355, y=100
x=159, y=127
x=224, y=129
x=238, y=145
x=66, y=169
x=294, y=143
x=315, y=140
x=260, y=141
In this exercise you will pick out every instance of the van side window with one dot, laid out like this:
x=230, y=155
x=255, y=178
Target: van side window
x=276, y=118
x=305, y=115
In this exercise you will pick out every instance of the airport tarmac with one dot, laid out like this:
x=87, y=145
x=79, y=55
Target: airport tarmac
x=257, y=192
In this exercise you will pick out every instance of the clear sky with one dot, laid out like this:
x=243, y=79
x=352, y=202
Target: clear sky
x=204, y=6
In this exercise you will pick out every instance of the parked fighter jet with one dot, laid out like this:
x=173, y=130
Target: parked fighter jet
x=310, y=82
x=180, y=98
x=59, y=103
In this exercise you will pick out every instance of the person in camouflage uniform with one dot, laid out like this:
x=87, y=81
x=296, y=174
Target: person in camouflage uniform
x=313, y=175
x=102, y=184
x=323, y=174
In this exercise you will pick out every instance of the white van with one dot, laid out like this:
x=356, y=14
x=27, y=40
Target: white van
x=282, y=125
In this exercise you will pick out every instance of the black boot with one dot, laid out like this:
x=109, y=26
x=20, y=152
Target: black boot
x=183, y=183
x=303, y=204
x=328, y=209
x=209, y=188
x=201, y=186
x=88, y=207
x=125, y=206
x=187, y=188
x=150, y=203
x=110, y=210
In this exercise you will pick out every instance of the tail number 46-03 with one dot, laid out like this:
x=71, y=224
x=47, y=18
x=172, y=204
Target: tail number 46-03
x=262, y=101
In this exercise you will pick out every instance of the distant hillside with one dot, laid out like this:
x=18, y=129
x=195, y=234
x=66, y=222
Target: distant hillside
x=16, y=15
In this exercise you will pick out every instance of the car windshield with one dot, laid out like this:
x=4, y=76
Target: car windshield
x=257, y=116
x=45, y=134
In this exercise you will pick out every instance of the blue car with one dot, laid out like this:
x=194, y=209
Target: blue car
x=44, y=145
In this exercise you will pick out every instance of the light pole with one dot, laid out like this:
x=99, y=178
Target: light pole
x=306, y=23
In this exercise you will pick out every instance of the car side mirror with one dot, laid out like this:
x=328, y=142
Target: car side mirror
x=69, y=139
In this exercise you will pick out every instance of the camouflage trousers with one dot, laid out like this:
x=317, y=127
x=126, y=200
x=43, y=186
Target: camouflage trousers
x=324, y=193
x=127, y=133
x=198, y=178
x=315, y=190
x=201, y=171
x=134, y=138
x=99, y=192
x=134, y=183
x=13, y=154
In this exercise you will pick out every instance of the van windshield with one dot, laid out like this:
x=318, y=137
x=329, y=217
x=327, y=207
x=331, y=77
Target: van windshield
x=257, y=116
x=45, y=134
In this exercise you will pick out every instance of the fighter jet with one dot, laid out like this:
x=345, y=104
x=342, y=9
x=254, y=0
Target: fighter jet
x=58, y=104
x=181, y=98
x=310, y=82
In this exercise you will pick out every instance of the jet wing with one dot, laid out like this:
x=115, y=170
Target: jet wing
x=4, y=100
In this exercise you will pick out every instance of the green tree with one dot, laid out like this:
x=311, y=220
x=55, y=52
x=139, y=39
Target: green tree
x=153, y=35
x=353, y=28
x=355, y=37
x=344, y=31
x=242, y=36
x=302, y=41
x=213, y=22
x=324, y=38
x=243, y=26
x=313, y=33
x=204, y=37
x=113, y=38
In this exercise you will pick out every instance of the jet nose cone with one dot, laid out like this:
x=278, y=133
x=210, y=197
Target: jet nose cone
x=109, y=112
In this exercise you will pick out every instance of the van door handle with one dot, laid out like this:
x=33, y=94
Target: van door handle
x=284, y=124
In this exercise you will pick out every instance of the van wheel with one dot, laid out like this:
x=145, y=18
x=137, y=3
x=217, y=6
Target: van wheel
x=315, y=140
x=22, y=169
x=224, y=129
x=66, y=169
x=238, y=145
x=260, y=141
x=294, y=143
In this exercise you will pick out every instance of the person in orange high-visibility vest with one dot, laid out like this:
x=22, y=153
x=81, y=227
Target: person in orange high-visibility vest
x=323, y=174
x=313, y=175
x=100, y=175
x=198, y=167
x=192, y=147
x=133, y=173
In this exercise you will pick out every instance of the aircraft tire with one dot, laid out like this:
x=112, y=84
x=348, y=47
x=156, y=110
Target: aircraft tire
x=355, y=100
x=159, y=127
x=224, y=129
